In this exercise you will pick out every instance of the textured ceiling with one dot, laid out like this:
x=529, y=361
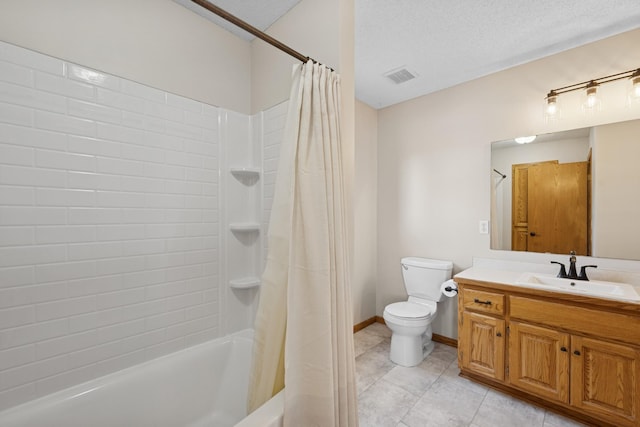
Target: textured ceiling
x=447, y=42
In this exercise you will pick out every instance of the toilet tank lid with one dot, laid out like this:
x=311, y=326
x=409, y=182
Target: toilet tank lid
x=427, y=263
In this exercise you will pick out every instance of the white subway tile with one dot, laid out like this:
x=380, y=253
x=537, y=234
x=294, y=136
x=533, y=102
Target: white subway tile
x=158, y=231
x=183, y=301
x=210, y=136
x=16, y=115
x=34, y=371
x=16, y=236
x=65, y=197
x=11, y=154
x=164, y=348
x=65, y=380
x=16, y=356
x=209, y=189
x=209, y=163
x=27, y=97
x=202, y=310
x=65, y=234
x=24, y=295
x=204, y=175
x=204, y=229
x=16, y=276
x=118, y=363
x=13, y=337
x=110, y=199
x=98, y=147
x=119, y=100
x=120, y=232
x=16, y=196
x=201, y=257
x=120, y=298
x=190, y=327
x=146, y=154
x=200, y=120
x=165, y=319
x=164, y=200
x=78, y=216
x=93, y=77
x=93, y=320
x=121, y=133
x=141, y=91
x=11, y=256
x=65, y=344
x=165, y=260
x=167, y=142
x=201, y=336
x=144, y=247
x=17, y=395
x=93, y=354
x=63, y=86
x=16, y=316
x=19, y=215
x=65, y=308
x=120, y=265
x=93, y=181
x=142, y=121
x=163, y=111
x=91, y=111
x=65, y=124
x=155, y=170
x=94, y=285
x=183, y=215
x=96, y=250
x=143, y=216
x=64, y=271
x=29, y=137
x=185, y=244
x=143, y=185
x=181, y=187
x=182, y=130
x=145, y=309
x=12, y=73
x=119, y=166
x=69, y=161
x=143, y=278
x=184, y=159
x=18, y=175
x=183, y=272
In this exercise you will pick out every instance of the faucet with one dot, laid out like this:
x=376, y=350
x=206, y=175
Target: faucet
x=572, y=269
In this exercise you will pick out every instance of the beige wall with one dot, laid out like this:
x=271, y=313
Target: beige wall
x=365, y=261
x=616, y=152
x=155, y=42
x=434, y=157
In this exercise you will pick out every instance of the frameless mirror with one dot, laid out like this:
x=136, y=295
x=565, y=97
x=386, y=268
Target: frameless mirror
x=573, y=190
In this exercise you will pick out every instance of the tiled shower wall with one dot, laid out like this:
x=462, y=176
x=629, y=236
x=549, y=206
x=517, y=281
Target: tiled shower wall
x=108, y=223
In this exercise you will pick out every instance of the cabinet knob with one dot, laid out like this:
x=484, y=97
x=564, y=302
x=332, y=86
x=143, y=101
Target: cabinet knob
x=532, y=234
x=576, y=352
x=499, y=334
x=563, y=349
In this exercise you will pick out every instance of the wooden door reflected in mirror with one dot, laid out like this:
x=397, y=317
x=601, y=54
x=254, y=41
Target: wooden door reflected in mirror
x=549, y=207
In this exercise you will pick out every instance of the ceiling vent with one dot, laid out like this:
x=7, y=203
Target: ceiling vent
x=400, y=75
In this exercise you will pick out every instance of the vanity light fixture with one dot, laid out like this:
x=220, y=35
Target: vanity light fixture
x=592, y=100
x=525, y=139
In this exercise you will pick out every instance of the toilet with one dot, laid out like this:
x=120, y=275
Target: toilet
x=410, y=321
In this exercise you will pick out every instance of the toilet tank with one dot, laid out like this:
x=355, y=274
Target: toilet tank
x=423, y=277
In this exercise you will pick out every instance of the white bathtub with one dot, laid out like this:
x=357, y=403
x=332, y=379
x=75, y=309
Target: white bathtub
x=204, y=385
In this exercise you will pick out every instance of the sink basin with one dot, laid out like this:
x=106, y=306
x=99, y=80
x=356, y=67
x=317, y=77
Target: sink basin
x=597, y=288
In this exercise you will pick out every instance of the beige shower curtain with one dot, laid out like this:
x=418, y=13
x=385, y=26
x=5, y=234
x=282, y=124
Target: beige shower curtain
x=304, y=336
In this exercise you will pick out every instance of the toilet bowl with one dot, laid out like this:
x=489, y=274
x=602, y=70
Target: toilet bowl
x=410, y=321
x=410, y=324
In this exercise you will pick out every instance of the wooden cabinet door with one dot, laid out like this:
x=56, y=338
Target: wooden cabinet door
x=482, y=347
x=604, y=380
x=539, y=360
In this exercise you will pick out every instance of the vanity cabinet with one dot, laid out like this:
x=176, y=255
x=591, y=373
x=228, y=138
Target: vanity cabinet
x=572, y=355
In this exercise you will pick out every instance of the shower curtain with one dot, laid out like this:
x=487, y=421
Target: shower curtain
x=304, y=335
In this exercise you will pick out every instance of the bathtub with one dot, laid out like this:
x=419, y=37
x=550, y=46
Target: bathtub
x=203, y=385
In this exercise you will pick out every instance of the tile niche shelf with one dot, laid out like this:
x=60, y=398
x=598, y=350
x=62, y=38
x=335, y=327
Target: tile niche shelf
x=244, y=227
x=245, y=173
x=245, y=283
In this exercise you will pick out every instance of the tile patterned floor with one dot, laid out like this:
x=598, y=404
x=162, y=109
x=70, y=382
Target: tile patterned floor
x=432, y=394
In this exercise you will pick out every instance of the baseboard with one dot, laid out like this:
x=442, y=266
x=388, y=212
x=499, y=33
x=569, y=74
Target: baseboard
x=435, y=337
x=364, y=324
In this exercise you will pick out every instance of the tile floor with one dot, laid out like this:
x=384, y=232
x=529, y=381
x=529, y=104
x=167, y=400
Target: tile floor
x=432, y=394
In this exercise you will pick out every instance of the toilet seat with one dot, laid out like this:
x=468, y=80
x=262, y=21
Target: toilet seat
x=407, y=310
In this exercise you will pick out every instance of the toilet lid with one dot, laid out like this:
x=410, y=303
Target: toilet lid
x=409, y=310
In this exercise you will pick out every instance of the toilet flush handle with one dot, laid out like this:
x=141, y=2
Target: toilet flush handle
x=405, y=267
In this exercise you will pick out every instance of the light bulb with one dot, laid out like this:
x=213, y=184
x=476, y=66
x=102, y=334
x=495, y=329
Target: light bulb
x=525, y=139
x=635, y=88
x=592, y=101
x=551, y=106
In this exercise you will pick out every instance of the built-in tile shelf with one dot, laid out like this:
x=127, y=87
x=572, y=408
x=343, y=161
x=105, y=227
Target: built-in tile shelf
x=247, y=173
x=245, y=283
x=244, y=227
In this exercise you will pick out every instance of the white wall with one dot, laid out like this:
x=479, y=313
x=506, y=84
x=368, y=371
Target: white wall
x=617, y=147
x=156, y=42
x=365, y=257
x=434, y=157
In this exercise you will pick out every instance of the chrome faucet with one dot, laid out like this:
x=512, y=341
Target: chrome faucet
x=573, y=274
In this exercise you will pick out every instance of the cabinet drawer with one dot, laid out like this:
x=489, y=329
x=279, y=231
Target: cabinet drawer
x=486, y=302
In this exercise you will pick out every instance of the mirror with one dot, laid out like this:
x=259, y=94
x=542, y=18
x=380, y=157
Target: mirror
x=572, y=190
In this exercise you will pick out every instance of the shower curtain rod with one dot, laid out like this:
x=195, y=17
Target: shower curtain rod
x=253, y=30
x=500, y=173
